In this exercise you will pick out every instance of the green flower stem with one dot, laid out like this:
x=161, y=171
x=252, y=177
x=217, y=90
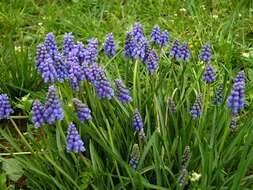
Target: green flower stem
x=15, y=153
x=19, y=117
x=135, y=79
x=21, y=135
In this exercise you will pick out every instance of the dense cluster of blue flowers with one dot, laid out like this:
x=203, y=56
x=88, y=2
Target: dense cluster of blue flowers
x=74, y=141
x=196, y=110
x=83, y=112
x=123, y=94
x=5, y=107
x=77, y=64
x=236, y=99
x=134, y=157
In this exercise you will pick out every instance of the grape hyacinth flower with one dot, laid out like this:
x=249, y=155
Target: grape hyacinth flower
x=196, y=109
x=103, y=86
x=217, y=99
x=122, y=92
x=129, y=45
x=83, y=112
x=175, y=51
x=209, y=75
x=75, y=72
x=139, y=43
x=151, y=60
x=37, y=114
x=236, y=98
x=80, y=52
x=91, y=54
x=74, y=141
x=90, y=72
x=5, y=107
x=172, y=105
x=60, y=68
x=40, y=57
x=185, y=158
x=233, y=124
x=48, y=72
x=185, y=52
x=163, y=39
x=52, y=109
x=50, y=44
x=134, y=157
x=138, y=31
x=155, y=35
x=137, y=121
x=68, y=44
x=110, y=46
x=205, y=54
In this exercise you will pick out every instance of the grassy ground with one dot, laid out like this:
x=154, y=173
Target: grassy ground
x=24, y=23
x=224, y=160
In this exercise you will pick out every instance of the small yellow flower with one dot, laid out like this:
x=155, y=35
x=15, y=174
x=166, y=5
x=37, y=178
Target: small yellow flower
x=182, y=10
x=18, y=48
x=195, y=176
x=215, y=16
x=246, y=55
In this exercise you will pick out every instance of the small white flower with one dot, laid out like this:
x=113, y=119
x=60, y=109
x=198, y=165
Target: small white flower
x=17, y=48
x=40, y=23
x=195, y=176
x=203, y=7
x=175, y=14
x=240, y=15
x=182, y=10
x=246, y=55
x=215, y=16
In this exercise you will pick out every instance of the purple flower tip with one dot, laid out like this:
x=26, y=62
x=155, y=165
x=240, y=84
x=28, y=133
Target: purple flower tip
x=109, y=45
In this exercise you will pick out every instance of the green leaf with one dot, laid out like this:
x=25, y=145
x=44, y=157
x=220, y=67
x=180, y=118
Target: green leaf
x=13, y=169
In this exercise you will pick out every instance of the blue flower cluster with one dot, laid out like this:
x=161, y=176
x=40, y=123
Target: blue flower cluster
x=161, y=38
x=138, y=124
x=49, y=113
x=209, y=75
x=122, y=92
x=83, y=112
x=185, y=158
x=74, y=141
x=196, y=109
x=180, y=52
x=109, y=45
x=49, y=61
x=205, y=54
x=134, y=157
x=217, y=99
x=102, y=85
x=5, y=107
x=236, y=98
x=38, y=114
